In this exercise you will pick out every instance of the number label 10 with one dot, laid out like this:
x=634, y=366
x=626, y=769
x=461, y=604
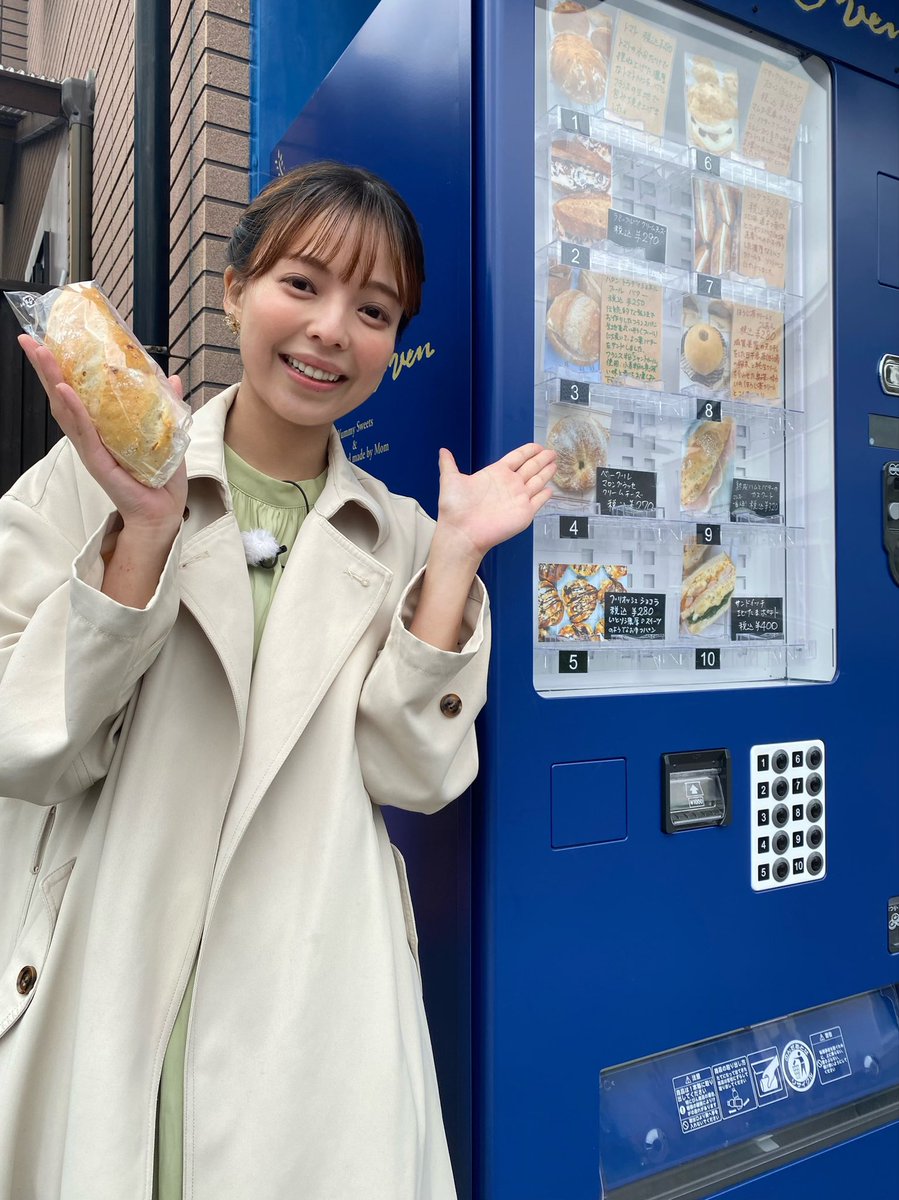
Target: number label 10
x=708, y=660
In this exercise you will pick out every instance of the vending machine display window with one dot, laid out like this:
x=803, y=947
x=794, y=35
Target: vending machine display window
x=683, y=353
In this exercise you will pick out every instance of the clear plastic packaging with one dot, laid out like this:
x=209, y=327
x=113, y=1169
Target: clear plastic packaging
x=138, y=416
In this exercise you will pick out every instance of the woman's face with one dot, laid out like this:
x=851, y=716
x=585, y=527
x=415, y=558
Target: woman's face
x=313, y=347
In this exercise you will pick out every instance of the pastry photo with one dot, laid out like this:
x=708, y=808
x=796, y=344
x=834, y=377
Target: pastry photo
x=716, y=226
x=712, y=104
x=580, y=164
x=573, y=326
x=707, y=465
x=705, y=346
x=570, y=599
x=580, y=439
x=578, y=69
x=706, y=593
x=583, y=218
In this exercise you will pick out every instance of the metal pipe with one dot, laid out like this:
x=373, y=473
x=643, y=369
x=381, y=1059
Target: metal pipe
x=152, y=155
x=77, y=102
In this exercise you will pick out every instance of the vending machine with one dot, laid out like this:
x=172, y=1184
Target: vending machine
x=661, y=938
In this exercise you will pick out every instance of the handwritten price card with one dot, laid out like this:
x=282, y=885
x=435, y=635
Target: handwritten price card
x=631, y=334
x=640, y=75
x=756, y=356
x=763, y=246
x=773, y=122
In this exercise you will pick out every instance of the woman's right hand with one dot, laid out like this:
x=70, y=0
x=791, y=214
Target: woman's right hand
x=151, y=515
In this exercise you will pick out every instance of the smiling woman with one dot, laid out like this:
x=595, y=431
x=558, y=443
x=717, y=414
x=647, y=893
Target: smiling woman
x=216, y=718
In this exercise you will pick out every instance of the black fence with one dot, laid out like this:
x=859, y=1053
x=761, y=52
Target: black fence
x=27, y=430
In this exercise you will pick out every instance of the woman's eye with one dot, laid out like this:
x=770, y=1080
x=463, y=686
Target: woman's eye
x=299, y=283
x=377, y=314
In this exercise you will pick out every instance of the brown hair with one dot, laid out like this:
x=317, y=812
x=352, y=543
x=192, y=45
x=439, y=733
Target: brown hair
x=352, y=207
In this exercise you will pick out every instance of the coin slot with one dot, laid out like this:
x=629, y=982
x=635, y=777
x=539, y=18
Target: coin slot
x=814, y=810
x=781, y=842
x=780, y=760
x=781, y=788
x=781, y=870
x=781, y=815
x=814, y=757
x=815, y=837
x=813, y=784
x=815, y=864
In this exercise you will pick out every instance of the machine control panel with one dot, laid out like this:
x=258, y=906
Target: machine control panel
x=788, y=807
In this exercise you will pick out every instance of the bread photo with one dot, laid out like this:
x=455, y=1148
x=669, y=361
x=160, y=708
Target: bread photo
x=710, y=449
x=578, y=68
x=706, y=593
x=581, y=444
x=580, y=164
x=570, y=16
x=704, y=354
x=572, y=328
x=131, y=406
x=583, y=219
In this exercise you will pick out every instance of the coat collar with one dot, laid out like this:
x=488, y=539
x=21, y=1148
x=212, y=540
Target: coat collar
x=346, y=484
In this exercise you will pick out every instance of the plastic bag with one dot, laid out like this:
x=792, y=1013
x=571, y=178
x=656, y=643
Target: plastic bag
x=140, y=419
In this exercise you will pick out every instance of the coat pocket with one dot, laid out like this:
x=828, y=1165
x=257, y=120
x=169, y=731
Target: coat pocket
x=408, y=913
x=22, y=975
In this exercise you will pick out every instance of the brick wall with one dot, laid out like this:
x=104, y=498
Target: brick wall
x=210, y=121
x=210, y=182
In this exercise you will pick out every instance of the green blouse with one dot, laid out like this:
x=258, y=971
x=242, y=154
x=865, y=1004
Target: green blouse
x=279, y=507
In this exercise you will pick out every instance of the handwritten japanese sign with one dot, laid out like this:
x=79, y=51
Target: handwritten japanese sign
x=640, y=74
x=631, y=335
x=623, y=491
x=773, y=122
x=634, y=615
x=755, y=499
x=757, y=617
x=638, y=234
x=756, y=362
x=763, y=244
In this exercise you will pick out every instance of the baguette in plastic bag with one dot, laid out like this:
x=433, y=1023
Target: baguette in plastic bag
x=139, y=418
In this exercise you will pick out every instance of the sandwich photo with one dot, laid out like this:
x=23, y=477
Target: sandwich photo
x=706, y=593
x=712, y=102
x=706, y=469
x=580, y=164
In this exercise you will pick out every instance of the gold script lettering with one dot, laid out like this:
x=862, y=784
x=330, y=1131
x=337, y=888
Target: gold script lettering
x=855, y=14
x=408, y=358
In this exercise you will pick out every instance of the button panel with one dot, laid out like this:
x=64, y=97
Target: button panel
x=789, y=808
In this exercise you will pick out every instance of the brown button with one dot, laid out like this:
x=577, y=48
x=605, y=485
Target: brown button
x=26, y=981
x=451, y=705
x=185, y=516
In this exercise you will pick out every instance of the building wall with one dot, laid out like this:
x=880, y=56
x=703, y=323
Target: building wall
x=210, y=125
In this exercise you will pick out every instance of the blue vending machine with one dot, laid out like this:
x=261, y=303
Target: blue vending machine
x=661, y=939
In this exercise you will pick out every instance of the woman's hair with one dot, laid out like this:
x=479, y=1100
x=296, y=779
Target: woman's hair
x=348, y=207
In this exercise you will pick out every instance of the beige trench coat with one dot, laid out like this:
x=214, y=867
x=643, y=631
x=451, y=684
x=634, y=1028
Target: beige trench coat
x=165, y=800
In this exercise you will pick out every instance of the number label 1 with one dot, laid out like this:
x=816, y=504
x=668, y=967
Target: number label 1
x=573, y=527
x=572, y=662
x=575, y=122
x=708, y=660
x=574, y=391
x=574, y=256
x=703, y=161
x=708, y=410
x=708, y=535
x=708, y=285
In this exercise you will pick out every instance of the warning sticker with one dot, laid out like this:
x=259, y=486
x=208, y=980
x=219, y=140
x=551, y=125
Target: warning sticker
x=767, y=1076
x=831, y=1055
x=734, y=1082
x=697, y=1100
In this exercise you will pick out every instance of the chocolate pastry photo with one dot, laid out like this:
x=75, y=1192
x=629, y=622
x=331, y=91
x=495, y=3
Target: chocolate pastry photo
x=580, y=164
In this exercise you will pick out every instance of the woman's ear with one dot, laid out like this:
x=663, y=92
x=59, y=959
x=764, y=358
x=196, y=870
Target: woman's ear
x=233, y=292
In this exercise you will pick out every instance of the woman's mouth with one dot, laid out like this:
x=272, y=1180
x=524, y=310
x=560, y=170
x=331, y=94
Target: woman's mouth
x=309, y=372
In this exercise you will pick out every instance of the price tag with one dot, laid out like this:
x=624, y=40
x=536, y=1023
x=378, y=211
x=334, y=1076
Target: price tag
x=755, y=500
x=575, y=122
x=634, y=615
x=708, y=535
x=757, y=617
x=708, y=660
x=708, y=285
x=710, y=164
x=572, y=662
x=574, y=391
x=573, y=527
x=708, y=410
x=575, y=256
x=631, y=493
x=636, y=233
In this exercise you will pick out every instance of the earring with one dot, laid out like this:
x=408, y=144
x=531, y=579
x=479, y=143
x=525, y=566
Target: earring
x=232, y=322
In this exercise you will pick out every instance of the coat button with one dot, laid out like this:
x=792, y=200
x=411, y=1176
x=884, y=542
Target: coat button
x=451, y=705
x=26, y=980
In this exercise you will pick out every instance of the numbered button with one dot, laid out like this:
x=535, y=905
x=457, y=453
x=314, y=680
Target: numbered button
x=764, y=790
x=764, y=872
x=798, y=812
x=764, y=817
x=762, y=844
x=798, y=785
x=798, y=839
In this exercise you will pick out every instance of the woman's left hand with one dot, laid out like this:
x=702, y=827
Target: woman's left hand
x=477, y=512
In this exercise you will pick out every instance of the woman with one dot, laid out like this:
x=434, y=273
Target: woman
x=201, y=903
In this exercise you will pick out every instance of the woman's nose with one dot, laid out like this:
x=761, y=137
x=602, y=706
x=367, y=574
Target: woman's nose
x=329, y=323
